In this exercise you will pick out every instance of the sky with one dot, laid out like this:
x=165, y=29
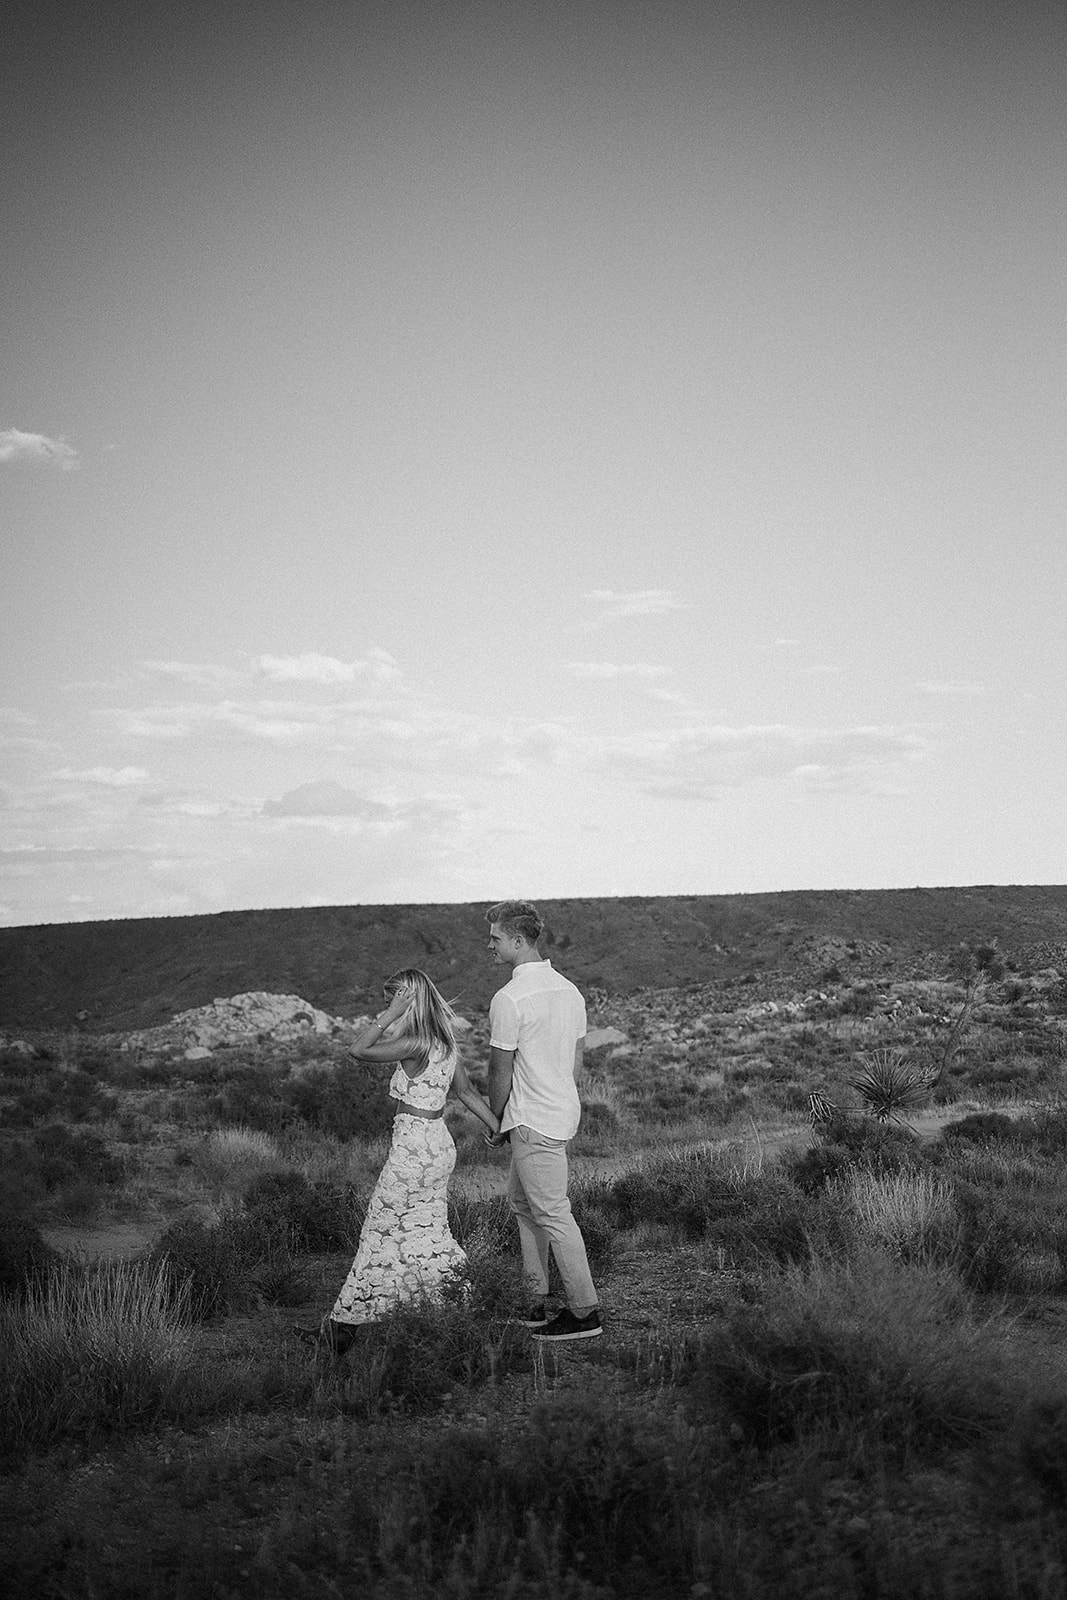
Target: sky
x=457, y=451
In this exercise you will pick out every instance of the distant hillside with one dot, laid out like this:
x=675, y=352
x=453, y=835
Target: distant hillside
x=136, y=973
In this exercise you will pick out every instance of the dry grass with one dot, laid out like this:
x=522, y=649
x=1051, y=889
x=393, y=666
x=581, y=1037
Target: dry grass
x=910, y=1214
x=229, y=1159
x=92, y=1350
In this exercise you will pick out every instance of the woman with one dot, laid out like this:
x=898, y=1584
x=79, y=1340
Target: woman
x=405, y=1247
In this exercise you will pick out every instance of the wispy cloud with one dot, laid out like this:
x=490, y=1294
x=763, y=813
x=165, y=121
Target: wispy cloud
x=197, y=674
x=952, y=689
x=699, y=763
x=37, y=449
x=608, y=670
x=377, y=666
x=21, y=858
x=325, y=800
x=110, y=777
x=609, y=604
x=330, y=802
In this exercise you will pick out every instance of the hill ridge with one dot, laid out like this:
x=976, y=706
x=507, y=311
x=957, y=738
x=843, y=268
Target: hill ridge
x=139, y=972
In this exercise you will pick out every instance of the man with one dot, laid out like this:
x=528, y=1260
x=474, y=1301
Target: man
x=536, y=1044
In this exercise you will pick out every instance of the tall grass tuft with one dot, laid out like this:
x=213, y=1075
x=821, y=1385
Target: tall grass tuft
x=883, y=1357
x=230, y=1159
x=910, y=1214
x=91, y=1351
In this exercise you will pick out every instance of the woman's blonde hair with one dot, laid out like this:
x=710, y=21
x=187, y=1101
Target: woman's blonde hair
x=429, y=1016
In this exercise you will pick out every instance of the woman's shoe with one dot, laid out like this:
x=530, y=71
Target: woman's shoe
x=339, y=1336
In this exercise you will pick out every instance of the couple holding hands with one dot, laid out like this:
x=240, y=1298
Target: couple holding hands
x=538, y=1026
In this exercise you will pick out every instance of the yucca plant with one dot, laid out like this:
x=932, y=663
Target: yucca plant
x=890, y=1086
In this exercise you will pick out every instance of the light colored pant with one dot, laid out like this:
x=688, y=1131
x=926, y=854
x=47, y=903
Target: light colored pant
x=537, y=1191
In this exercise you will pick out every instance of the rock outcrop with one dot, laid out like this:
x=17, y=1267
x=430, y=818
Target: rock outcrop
x=242, y=1019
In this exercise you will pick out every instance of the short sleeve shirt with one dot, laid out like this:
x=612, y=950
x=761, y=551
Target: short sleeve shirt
x=541, y=1016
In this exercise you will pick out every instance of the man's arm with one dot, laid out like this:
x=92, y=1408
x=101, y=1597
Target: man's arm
x=501, y=1068
x=579, y=1055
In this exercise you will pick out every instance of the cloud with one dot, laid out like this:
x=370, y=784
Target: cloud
x=699, y=763
x=611, y=603
x=952, y=690
x=191, y=672
x=378, y=666
x=37, y=449
x=22, y=858
x=110, y=777
x=326, y=800
x=269, y=722
x=607, y=670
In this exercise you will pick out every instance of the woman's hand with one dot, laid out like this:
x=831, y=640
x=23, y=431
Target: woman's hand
x=398, y=1004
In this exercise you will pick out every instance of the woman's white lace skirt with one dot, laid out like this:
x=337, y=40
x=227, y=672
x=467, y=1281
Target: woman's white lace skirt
x=405, y=1250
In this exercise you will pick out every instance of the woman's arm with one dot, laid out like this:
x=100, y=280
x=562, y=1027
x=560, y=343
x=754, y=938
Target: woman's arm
x=370, y=1043
x=465, y=1091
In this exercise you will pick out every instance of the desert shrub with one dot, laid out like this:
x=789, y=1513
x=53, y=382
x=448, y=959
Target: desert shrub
x=911, y=1215
x=248, y=1099
x=1003, y=1073
x=229, y=1159
x=66, y=1154
x=582, y=1496
x=1039, y=1444
x=282, y=1208
x=884, y=1356
x=416, y=1355
x=344, y=1103
x=1013, y=1238
x=210, y=1267
x=488, y=1218
x=982, y=1128
x=21, y=1186
x=750, y=1215
x=852, y=1143
x=67, y=1096
x=24, y=1256
x=90, y=1351
x=1044, y=1130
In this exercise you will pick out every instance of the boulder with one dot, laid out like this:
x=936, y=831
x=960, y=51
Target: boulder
x=241, y=1019
x=597, y=1038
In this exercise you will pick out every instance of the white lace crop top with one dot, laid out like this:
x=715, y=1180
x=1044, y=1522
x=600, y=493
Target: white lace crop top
x=429, y=1090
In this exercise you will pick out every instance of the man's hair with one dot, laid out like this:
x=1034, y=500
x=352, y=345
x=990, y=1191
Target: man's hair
x=518, y=918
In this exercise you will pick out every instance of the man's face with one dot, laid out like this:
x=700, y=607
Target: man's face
x=503, y=946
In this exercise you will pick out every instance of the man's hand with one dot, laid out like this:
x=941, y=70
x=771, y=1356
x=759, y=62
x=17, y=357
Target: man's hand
x=495, y=1140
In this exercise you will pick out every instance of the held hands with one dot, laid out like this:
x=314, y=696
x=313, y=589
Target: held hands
x=495, y=1140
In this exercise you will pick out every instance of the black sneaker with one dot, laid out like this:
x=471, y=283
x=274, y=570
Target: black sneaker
x=536, y=1317
x=567, y=1326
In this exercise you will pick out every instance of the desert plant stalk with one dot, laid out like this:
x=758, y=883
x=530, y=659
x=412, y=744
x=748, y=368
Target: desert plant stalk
x=94, y=1350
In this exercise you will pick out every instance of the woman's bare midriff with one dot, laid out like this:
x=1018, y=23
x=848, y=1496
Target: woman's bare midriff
x=404, y=1110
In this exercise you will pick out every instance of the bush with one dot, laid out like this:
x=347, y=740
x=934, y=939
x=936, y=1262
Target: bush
x=851, y=1145
x=65, y=1155
x=584, y=1501
x=229, y=1159
x=909, y=1214
x=983, y=1128
x=209, y=1267
x=24, y=1256
x=418, y=1354
x=283, y=1209
x=1014, y=1238
x=883, y=1356
x=753, y=1215
x=93, y=1351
